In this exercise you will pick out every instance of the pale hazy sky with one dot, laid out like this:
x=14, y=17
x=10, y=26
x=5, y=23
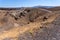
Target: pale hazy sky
x=28, y=3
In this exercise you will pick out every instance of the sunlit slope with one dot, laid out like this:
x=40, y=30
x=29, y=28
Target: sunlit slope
x=14, y=23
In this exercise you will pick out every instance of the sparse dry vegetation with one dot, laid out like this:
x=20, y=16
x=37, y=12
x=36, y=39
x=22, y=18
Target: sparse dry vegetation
x=29, y=24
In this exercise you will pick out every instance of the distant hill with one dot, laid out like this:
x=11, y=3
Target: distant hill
x=51, y=8
x=43, y=6
x=55, y=8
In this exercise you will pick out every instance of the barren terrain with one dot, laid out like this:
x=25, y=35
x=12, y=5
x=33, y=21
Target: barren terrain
x=29, y=24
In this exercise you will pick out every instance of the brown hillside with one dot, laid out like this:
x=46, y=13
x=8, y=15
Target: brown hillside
x=55, y=8
x=29, y=24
